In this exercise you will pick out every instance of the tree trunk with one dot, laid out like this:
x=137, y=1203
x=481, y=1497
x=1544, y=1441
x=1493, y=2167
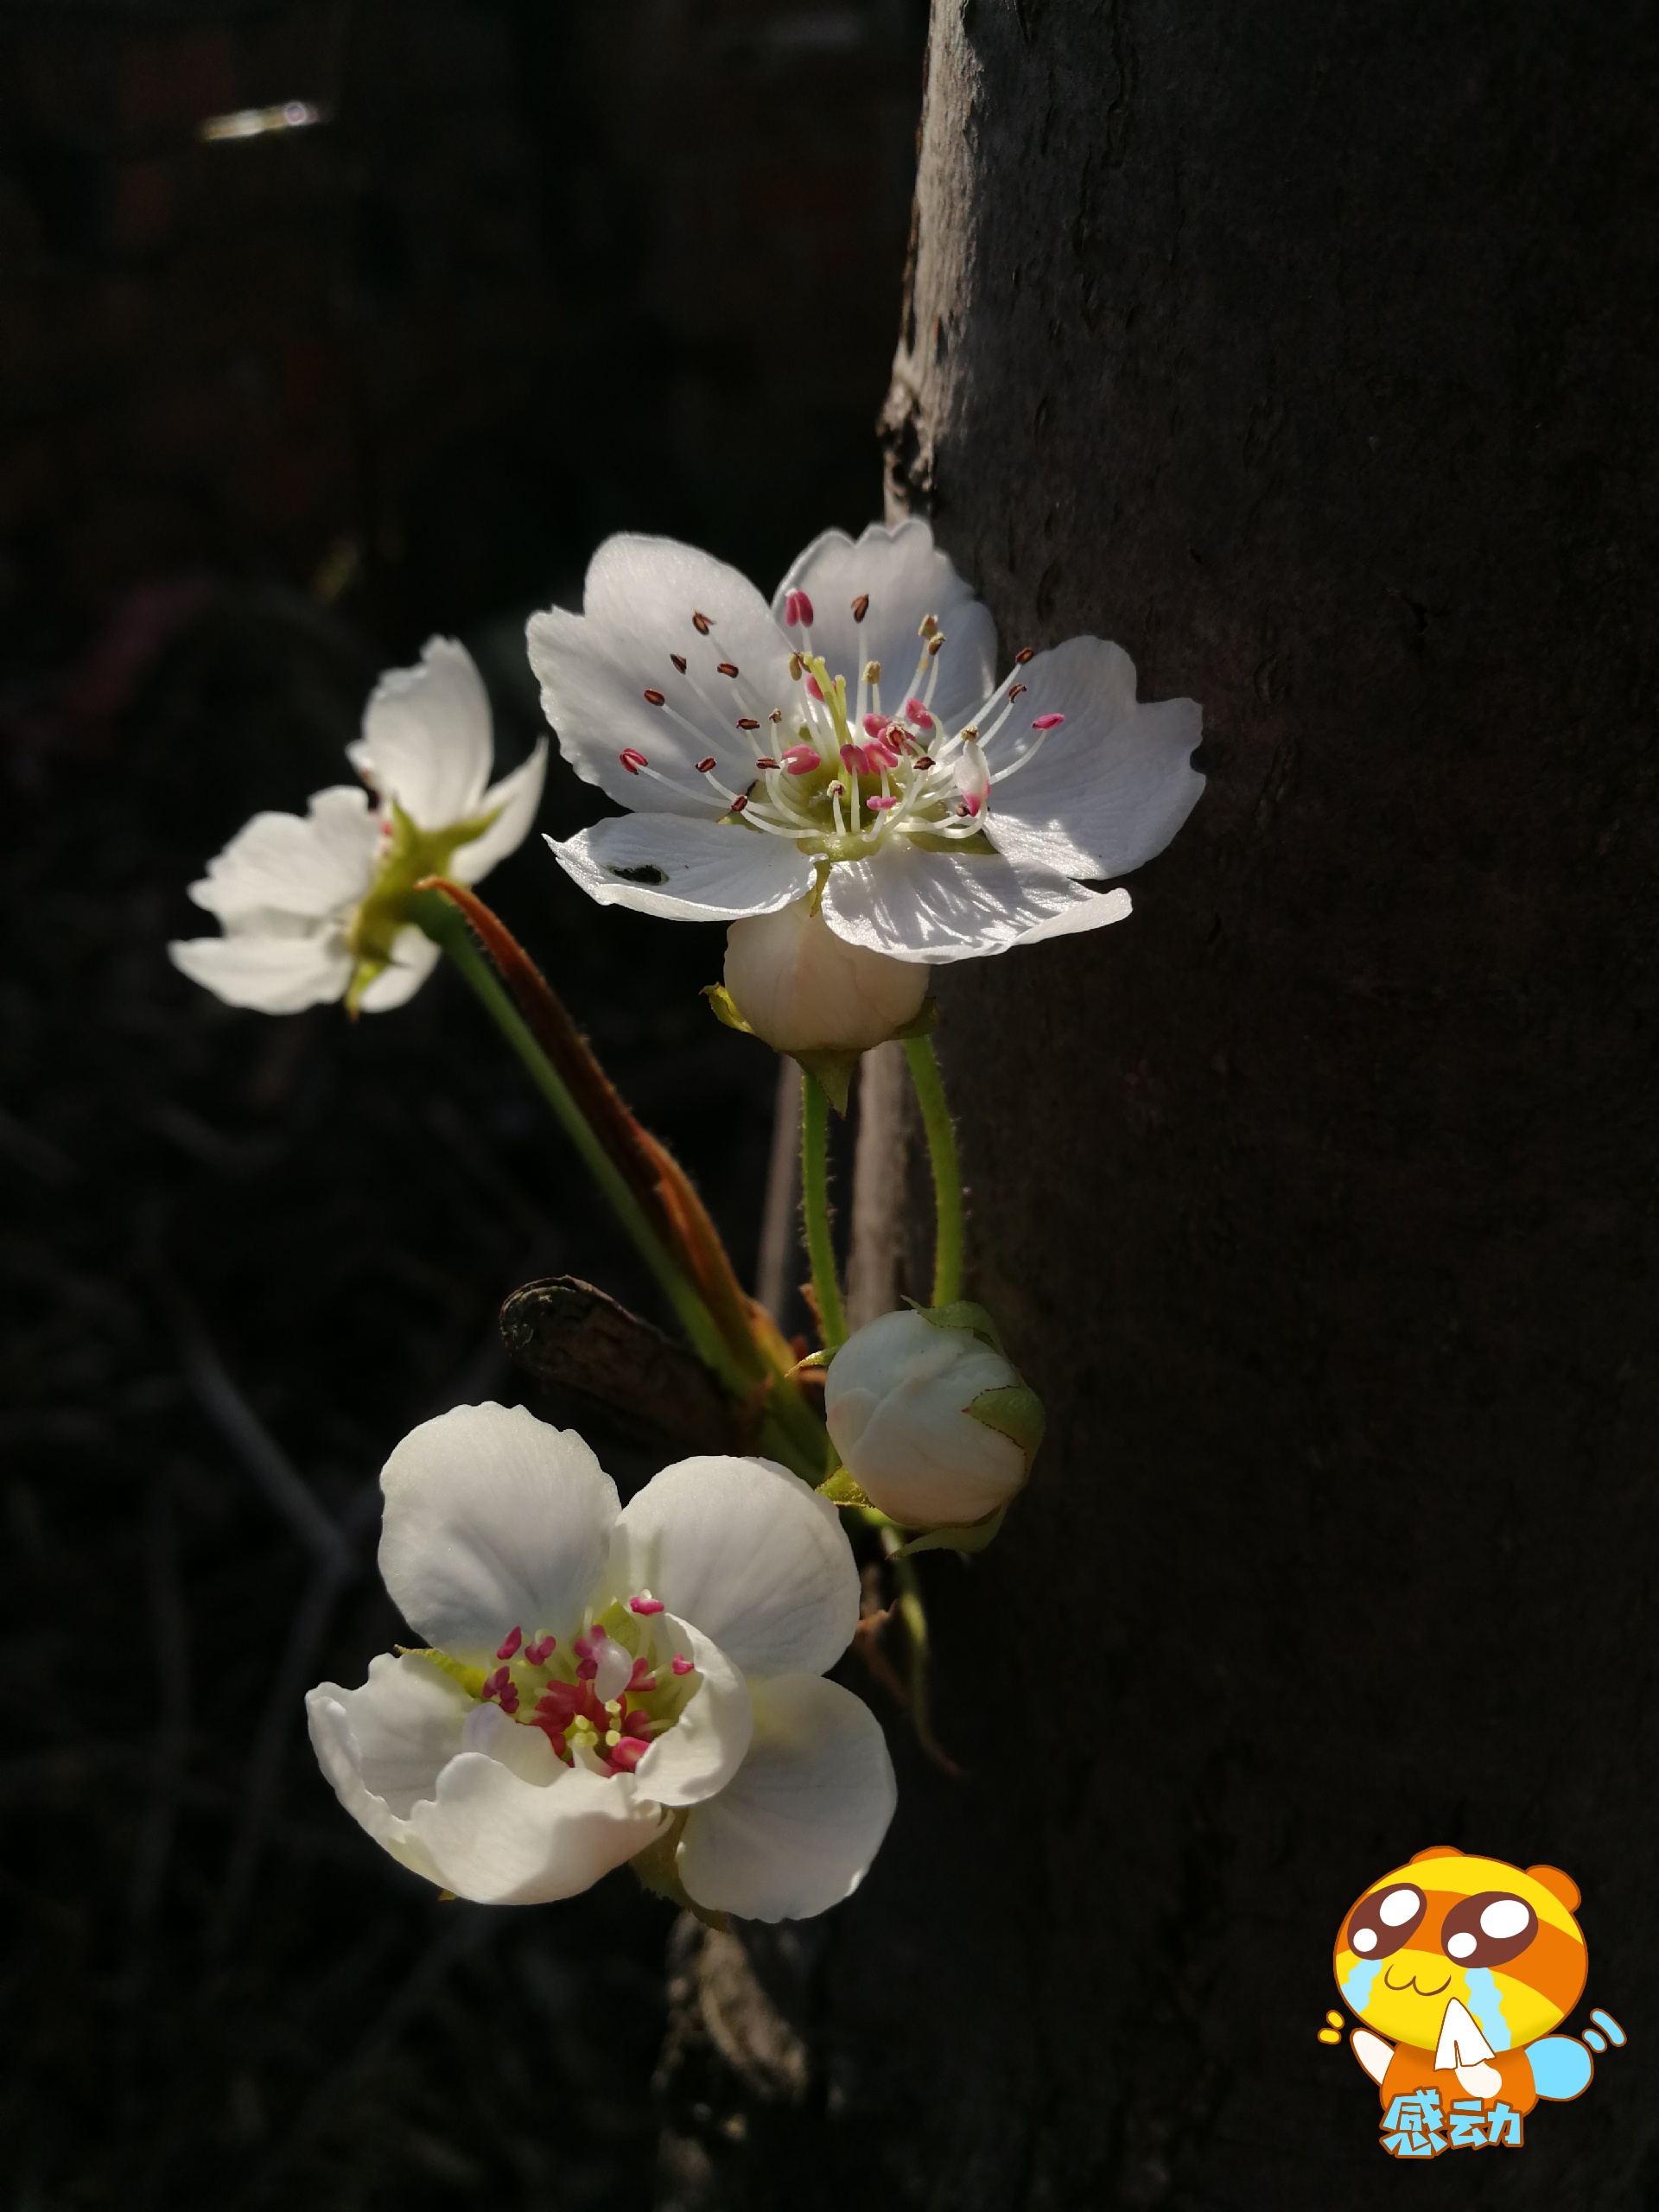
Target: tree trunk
x=1310, y=352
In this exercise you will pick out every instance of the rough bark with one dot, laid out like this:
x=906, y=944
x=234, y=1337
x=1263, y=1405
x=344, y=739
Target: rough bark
x=1309, y=352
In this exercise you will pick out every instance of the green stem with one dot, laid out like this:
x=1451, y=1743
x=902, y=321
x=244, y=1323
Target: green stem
x=947, y=1169
x=913, y=1613
x=815, y=1210
x=445, y=927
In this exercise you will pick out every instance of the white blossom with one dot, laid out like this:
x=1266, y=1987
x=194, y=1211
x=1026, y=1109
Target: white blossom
x=930, y=1419
x=312, y=906
x=851, y=747
x=601, y=1682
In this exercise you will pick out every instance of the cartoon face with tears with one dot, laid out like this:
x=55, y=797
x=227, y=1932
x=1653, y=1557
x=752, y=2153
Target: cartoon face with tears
x=1459, y=1966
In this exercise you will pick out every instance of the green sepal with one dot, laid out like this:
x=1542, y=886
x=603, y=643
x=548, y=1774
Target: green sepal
x=841, y=1489
x=657, y=1869
x=815, y=1361
x=925, y=1017
x=411, y=855
x=471, y=1679
x=962, y=1313
x=965, y=1536
x=725, y=1007
x=832, y=1072
x=1014, y=1411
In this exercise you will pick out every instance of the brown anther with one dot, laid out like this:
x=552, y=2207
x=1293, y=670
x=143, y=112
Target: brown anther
x=748, y=721
x=678, y=660
x=928, y=626
x=1023, y=654
x=740, y=803
x=763, y=762
x=935, y=642
x=654, y=698
x=1015, y=689
x=969, y=734
x=726, y=667
x=860, y=607
x=704, y=765
x=702, y=624
x=923, y=762
x=776, y=716
x=794, y=668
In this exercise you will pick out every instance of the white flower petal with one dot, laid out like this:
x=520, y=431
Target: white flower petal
x=465, y=1796
x=593, y=692
x=515, y=1744
x=272, y=974
x=498, y=1839
x=905, y=577
x=427, y=738
x=796, y=1829
x=691, y=871
x=940, y=906
x=414, y=957
x=405, y=1724
x=1092, y=911
x=747, y=1553
x=1111, y=787
x=706, y=1746
x=648, y=588
x=313, y=864
x=593, y=667
x=517, y=797
x=493, y=1520
x=383, y=1746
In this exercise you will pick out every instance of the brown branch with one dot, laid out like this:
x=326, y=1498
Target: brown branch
x=655, y=1178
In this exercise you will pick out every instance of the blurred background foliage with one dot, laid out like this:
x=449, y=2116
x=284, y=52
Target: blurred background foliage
x=276, y=409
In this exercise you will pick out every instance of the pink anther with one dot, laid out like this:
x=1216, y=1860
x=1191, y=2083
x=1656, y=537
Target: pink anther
x=815, y=690
x=797, y=608
x=879, y=805
x=500, y=1688
x=801, y=759
x=683, y=1667
x=541, y=1651
x=632, y=760
x=876, y=725
x=857, y=758
x=511, y=1644
x=627, y=1754
x=917, y=715
x=646, y=1605
x=1048, y=722
x=557, y=1706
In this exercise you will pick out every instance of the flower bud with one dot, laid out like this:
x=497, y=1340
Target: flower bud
x=930, y=1419
x=806, y=990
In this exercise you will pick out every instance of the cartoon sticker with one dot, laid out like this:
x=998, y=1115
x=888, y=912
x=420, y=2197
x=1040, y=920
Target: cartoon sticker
x=1459, y=1966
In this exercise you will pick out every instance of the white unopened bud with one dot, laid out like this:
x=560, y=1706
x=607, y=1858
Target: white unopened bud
x=930, y=1420
x=806, y=990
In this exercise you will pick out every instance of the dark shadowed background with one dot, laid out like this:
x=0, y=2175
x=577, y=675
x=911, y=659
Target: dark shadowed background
x=275, y=410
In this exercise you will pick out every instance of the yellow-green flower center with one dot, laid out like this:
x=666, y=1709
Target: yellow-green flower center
x=409, y=855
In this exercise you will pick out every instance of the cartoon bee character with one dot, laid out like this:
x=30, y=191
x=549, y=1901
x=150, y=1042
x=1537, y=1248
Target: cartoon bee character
x=1459, y=1966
